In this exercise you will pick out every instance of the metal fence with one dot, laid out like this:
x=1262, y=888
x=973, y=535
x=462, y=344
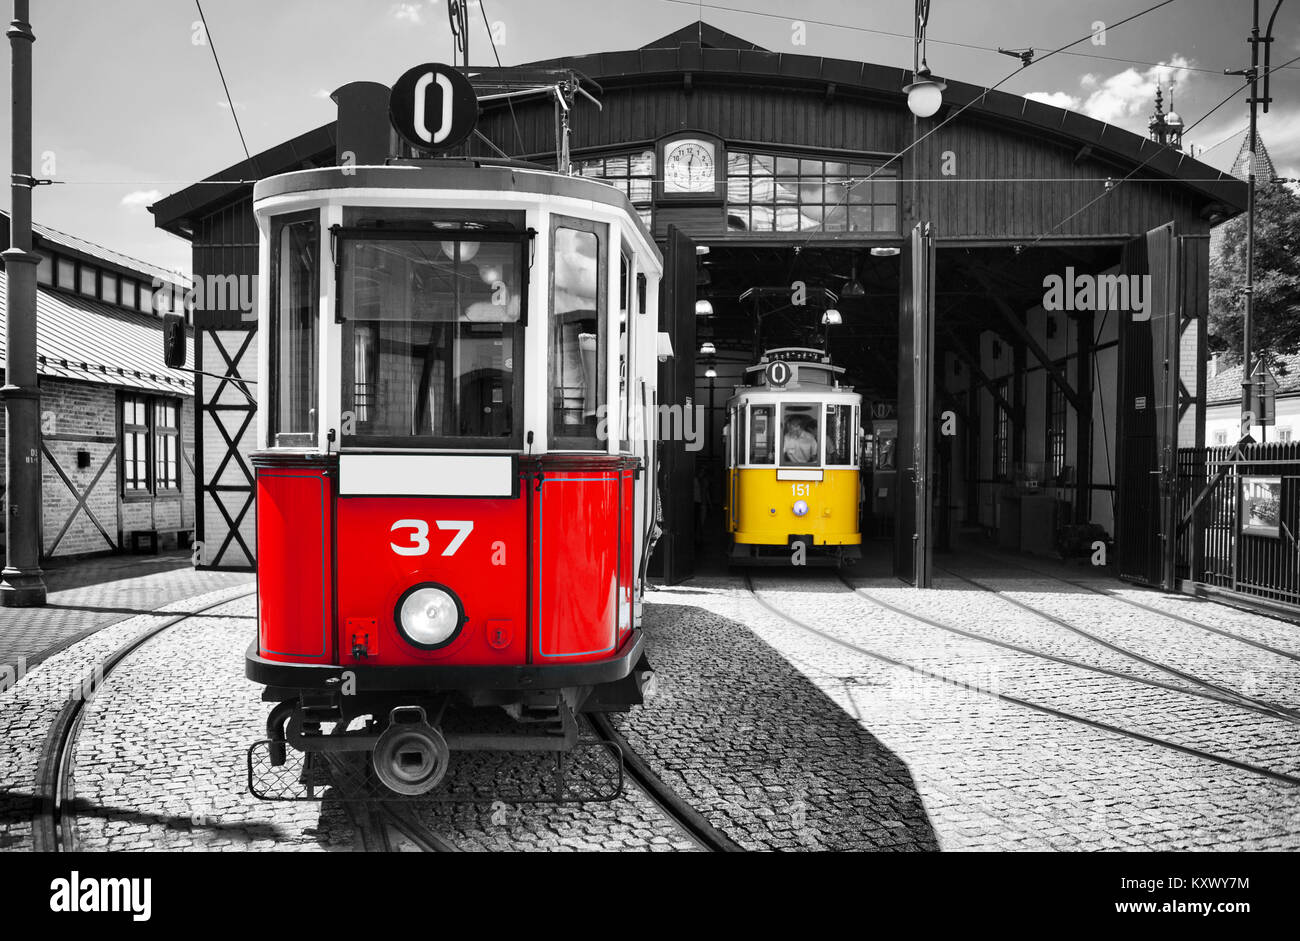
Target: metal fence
x=1242, y=534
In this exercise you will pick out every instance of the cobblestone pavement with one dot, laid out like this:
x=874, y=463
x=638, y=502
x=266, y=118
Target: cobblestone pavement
x=86, y=594
x=756, y=746
x=780, y=737
x=29, y=707
x=160, y=760
x=994, y=775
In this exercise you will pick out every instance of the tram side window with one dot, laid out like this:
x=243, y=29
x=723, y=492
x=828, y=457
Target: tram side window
x=434, y=332
x=625, y=287
x=577, y=335
x=800, y=438
x=839, y=434
x=762, y=435
x=295, y=296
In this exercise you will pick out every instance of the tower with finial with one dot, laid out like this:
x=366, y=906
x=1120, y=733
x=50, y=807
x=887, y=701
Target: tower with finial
x=1166, y=129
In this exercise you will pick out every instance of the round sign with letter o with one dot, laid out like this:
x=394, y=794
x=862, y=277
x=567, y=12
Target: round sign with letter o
x=433, y=107
x=778, y=373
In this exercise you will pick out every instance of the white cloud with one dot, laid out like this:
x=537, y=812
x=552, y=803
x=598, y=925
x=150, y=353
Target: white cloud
x=1125, y=98
x=139, y=199
x=408, y=11
x=1057, y=99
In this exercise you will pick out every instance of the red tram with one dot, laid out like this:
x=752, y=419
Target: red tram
x=455, y=491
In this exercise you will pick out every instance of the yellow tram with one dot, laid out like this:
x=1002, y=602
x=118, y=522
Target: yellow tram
x=793, y=453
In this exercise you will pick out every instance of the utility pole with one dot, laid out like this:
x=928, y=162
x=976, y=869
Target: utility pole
x=1252, y=75
x=23, y=584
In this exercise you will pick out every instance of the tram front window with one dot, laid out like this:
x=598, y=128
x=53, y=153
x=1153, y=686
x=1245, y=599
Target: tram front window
x=800, y=438
x=432, y=340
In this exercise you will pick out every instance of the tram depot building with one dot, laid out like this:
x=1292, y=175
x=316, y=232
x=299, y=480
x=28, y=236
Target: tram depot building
x=1022, y=295
x=116, y=425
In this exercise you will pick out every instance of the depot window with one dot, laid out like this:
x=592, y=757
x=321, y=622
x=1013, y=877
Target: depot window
x=149, y=451
x=632, y=173
x=434, y=310
x=774, y=193
x=762, y=435
x=578, y=338
x=295, y=297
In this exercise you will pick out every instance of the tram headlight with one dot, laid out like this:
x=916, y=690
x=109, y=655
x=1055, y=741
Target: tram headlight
x=800, y=507
x=429, y=616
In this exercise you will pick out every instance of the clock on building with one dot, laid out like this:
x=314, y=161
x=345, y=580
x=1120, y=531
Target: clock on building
x=690, y=167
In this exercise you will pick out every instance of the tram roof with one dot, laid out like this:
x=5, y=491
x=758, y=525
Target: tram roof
x=470, y=175
x=699, y=51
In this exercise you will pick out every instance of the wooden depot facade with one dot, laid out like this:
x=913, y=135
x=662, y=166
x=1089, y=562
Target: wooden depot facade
x=997, y=404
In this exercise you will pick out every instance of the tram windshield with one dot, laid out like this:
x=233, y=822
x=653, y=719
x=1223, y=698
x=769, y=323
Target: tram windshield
x=433, y=338
x=800, y=436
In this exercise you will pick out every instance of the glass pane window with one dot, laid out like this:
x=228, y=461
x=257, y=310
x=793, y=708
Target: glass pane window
x=800, y=436
x=128, y=294
x=785, y=194
x=146, y=298
x=762, y=436
x=435, y=333
x=633, y=173
x=45, y=270
x=576, y=347
x=135, y=444
x=295, y=295
x=839, y=434
x=625, y=287
x=88, y=281
x=166, y=444
x=108, y=287
x=67, y=274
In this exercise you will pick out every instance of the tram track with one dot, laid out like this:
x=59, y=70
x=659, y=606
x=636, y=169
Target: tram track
x=1221, y=692
x=1063, y=660
x=658, y=792
x=1191, y=622
x=54, y=825
x=1155, y=740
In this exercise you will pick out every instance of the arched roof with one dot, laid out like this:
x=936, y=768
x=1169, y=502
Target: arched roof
x=700, y=52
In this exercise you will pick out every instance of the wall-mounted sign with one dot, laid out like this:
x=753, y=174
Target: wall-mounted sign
x=433, y=107
x=1261, y=506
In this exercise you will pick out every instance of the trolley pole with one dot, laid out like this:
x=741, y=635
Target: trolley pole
x=23, y=583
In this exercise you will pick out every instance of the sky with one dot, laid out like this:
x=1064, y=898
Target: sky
x=129, y=106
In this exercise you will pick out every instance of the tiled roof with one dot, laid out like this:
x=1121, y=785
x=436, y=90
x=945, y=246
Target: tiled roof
x=80, y=338
x=1226, y=386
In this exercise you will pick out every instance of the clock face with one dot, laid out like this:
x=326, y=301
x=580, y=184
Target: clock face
x=689, y=167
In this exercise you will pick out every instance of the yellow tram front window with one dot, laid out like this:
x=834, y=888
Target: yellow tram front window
x=762, y=435
x=839, y=435
x=800, y=436
x=433, y=338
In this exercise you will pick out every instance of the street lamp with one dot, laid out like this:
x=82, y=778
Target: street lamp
x=924, y=94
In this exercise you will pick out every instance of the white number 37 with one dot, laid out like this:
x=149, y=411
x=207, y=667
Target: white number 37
x=418, y=539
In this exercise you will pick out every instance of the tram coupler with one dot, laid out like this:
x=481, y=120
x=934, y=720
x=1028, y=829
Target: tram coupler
x=410, y=756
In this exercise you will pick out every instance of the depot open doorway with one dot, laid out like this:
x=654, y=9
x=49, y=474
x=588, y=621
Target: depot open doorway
x=715, y=341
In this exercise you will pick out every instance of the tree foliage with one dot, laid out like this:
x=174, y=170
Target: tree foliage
x=1277, y=278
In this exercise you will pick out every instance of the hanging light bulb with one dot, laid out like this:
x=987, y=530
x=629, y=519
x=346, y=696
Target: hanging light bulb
x=924, y=94
x=703, y=308
x=710, y=373
x=708, y=349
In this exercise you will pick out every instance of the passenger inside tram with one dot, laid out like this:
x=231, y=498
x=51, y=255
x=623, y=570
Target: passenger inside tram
x=799, y=441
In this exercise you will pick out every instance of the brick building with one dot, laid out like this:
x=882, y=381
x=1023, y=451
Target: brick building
x=116, y=423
